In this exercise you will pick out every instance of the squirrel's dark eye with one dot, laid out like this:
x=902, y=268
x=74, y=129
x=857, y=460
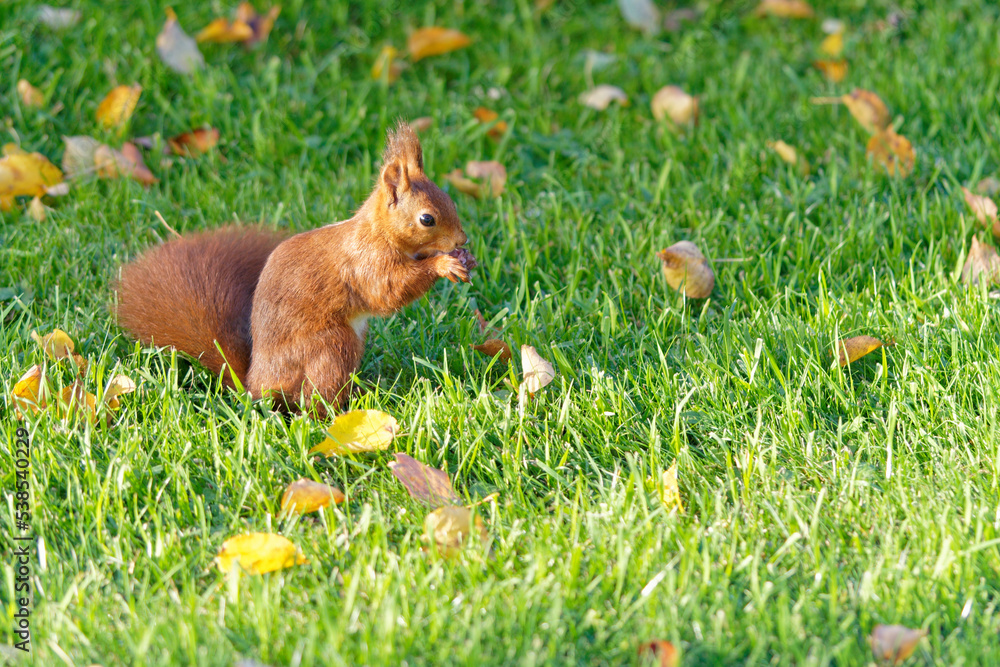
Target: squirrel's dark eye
x=427, y=220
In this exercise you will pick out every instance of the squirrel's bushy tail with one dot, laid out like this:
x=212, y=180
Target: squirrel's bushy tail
x=194, y=291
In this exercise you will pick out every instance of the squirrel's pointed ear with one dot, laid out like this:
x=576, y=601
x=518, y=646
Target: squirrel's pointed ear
x=402, y=144
x=395, y=179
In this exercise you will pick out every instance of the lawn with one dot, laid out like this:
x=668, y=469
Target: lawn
x=819, y=501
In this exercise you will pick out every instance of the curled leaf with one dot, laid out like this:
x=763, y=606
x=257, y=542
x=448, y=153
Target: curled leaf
x=178, y=50
x=673, y=103
x=127, y=163
x=434, y=42
x=31, y=97
x=56, y=345
x=985, y=210
x=670, y=494
x=868, y=109
x=194, y=143
x=660, y=652
x=448, y=527
x=27, y=390
x=493, y=347
x=602, y=96
x=118, y=106
x=894, y=643
x=784, y=151
x=833, y=70
x=426, y=484
x=893, y=152
x=537, y=371
x=358, y=431
x=685, y=267
x=982, y=263
x=258, y=553
x=224, y=31
x=75, y=399
x=791, y=9
x=23, y=173
x=304, y=496
x=119, y=385
x=852, y=349
x=492, y=179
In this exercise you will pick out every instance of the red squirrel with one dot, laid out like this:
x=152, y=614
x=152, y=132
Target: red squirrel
x=288, y=317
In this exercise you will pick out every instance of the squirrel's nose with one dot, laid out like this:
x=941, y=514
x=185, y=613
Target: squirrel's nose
x=462, y=240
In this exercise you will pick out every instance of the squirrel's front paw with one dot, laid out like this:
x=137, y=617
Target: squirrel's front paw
x=452, y=268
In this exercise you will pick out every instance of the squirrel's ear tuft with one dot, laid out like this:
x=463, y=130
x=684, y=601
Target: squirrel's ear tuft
x=403, y=145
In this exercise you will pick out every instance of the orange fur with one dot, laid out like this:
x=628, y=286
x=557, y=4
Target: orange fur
x=305, y=309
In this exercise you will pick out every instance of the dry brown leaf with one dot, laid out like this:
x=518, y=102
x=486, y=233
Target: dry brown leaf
x=985, y=210
x=537, y=372
x=119, y=385
x=893, y=644
x=194, y=143
x=258, y=553
x=75, y=399
x=421, y=124
x=449, y=526
x=868, y=109
x=358, y=431
x=982, y=263
x=833, y=70
x=304, y=496
x=387, y=61
x=833, y=44
x=673, y=103
x=57, y=18
x=434, y=42
x=24, y=173
x=660, y=652
x=493, y=347
x=492, y=179
x=118, y=106
x=603, y=95
x=685, y=266
x=426, y=484
x=178, y=50
x=487, y=116
x=260, y=24
x=852, y=349
x=27, y=392
x=127, y=163
x=78, y=157
x=791, y=9
x=893, y=152
x=30, y=96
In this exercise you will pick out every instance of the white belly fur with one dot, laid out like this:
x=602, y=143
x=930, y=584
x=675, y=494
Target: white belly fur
x=360, y=324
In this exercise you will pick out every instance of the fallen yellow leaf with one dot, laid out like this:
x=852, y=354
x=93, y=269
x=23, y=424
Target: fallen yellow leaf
x=852, y=349
x=603, y=95
x=893, y=152
x=30, y=96
x=56, y=345
x=537, y=372
x=119, y=385
x=894, y=643
x=792, y=9
x=260, y=24
x=224, y=31
x=258, y=553
x=784, y=151
x=685, y=267
x=673, y=103
x=982, y=263
x=833, y=70
x=304, y=495
x=670, y=493
x=24, y=173
x=426, y=484
x=448, y=527
x=118, y=106
x=75, y=398
x=27, y=392
x=387, y=61
x=434, y=42
x=487, y=116
x=866, y=107
x=833, y=45
x=358, y=431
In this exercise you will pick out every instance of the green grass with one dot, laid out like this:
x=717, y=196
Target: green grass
x=820, y=501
